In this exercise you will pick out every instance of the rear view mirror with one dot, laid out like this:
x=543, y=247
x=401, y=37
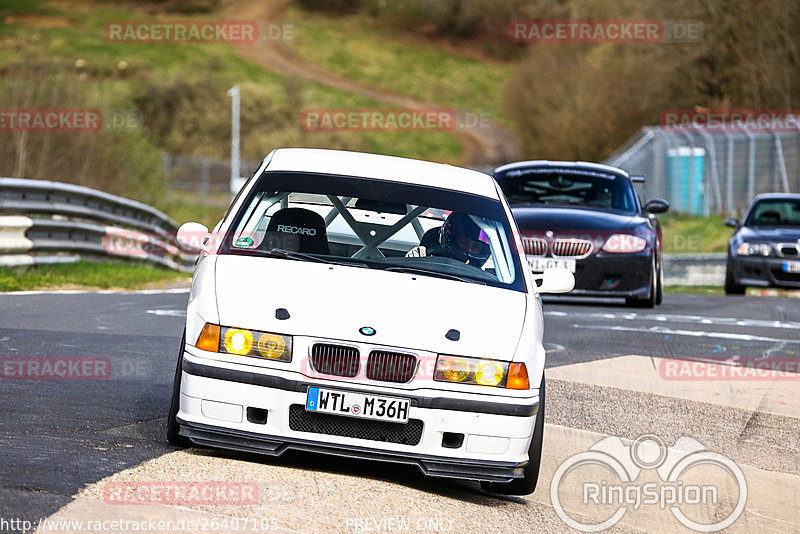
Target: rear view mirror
x=555, y=280
x=732, y=223
x=656, y=205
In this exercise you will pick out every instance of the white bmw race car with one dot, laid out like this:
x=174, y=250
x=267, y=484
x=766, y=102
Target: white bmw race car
x=372, y=307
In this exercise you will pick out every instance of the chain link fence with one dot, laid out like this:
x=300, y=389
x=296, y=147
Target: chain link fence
x=201, y=175
x=711, y=173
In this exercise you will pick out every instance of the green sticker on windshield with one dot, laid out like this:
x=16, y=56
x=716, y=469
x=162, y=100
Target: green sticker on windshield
x=244, y=242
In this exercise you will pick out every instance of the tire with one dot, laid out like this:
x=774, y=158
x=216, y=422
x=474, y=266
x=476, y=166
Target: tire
x=173, y=429
x=731, y=287
x=648, y=302
x=660, y=285
x=527, y=484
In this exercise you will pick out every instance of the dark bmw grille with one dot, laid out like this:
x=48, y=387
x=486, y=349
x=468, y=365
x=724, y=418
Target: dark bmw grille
x=391, y=366
x=534, y=246
x=572, y=248
x=790, y=250
x=301, y=420
x=335, y=360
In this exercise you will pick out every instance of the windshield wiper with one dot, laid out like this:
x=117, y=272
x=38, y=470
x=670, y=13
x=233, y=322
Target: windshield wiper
x=434, y=274
x=299, y=256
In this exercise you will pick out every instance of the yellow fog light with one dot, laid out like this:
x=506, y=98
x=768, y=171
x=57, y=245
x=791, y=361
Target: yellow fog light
x=255, y=344
x=489, y=373
x=470, y=371
x=455, y=369
x=274, y=347
x=238, y=341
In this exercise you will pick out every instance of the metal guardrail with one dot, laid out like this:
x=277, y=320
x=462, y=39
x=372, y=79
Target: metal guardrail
x=695, y=269
x=44, y=222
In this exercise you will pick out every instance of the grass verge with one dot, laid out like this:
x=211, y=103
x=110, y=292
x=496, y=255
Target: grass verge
x=87, y=274
x=358, y=48
x=684, y=234
x=697, y=290
x=73, y=34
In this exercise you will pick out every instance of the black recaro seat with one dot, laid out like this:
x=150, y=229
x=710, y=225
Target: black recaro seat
x=297, y=230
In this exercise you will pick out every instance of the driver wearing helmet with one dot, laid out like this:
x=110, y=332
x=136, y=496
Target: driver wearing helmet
x=459, y=238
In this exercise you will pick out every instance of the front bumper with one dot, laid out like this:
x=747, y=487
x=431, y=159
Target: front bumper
x=762, y=271
x=495, y=435
x=614, y=275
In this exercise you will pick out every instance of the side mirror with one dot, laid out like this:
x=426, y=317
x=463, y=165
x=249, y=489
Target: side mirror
x=193, y=237
x=557, y=280
x=656, y=205
x=732, y=223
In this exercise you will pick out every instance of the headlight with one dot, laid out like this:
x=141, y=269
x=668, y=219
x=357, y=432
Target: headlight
x=481, y=372
x=243, y=342
x=624, y=244
x=754, y=249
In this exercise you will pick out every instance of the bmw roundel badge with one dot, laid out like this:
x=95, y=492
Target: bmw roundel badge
x=367, y=330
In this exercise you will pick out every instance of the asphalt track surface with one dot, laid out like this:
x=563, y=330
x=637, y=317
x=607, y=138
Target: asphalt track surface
x=58, y=436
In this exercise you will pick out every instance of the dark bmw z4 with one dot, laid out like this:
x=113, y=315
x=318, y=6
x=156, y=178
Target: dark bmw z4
x=764, y=250
x=588, y=218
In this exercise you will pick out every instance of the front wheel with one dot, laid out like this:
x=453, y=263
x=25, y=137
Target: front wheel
x=650, y=301
x=660, y=286
x=527, y=484
x=173, y=428
x=731, y=287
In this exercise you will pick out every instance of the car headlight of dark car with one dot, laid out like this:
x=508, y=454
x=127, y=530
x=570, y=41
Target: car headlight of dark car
x=624, y=244
x=754, y=249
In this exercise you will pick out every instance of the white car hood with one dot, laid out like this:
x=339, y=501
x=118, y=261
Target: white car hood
x=332, y=301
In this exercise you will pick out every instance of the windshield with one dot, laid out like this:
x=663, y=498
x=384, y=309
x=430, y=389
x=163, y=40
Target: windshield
x=573, y=187
x=376, y=225
x=775, y=212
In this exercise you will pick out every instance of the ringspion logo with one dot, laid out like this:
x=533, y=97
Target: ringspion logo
x=703, y=490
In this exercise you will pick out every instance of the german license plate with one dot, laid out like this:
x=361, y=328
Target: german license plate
x=357, y=405
x=540, y=264
x=791, y=266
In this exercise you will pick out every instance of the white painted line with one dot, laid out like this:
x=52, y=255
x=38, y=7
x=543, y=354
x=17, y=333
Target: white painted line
x=173, y=291
x=667, y=318
x=168, y=313
x=691, y=333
